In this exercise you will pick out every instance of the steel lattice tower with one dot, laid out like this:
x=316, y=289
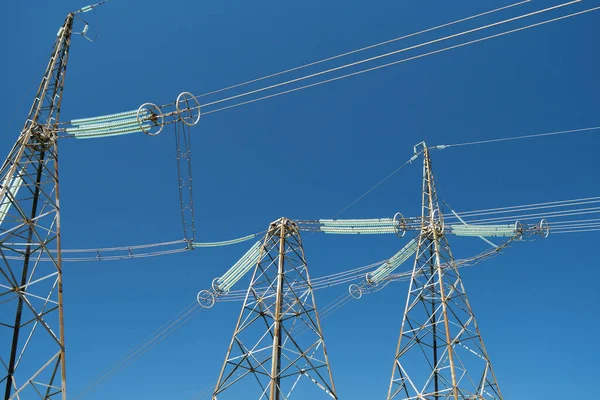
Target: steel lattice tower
x=278, y=338
x=440, y=352
x=31, y=323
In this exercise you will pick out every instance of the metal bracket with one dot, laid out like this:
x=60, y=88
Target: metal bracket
x=419, y=148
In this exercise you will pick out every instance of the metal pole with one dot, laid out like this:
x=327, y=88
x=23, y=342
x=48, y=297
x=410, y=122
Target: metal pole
x=61, y=312
x=276, y=356
x=440, y=274
x=434, y=327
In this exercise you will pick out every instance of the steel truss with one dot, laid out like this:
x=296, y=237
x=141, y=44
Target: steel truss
x=31, y=320
x=278, y=338
x=440, y=352
x=183, y=144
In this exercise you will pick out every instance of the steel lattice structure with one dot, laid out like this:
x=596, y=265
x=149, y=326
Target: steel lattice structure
x=278, y=338
x=440, y=352
x=183, y=147
x=31, y=324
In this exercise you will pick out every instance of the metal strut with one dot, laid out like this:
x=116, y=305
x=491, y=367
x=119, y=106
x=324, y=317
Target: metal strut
x=34, y=355
x=183, y=145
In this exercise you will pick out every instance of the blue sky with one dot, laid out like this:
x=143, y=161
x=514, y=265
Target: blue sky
x=536, y=304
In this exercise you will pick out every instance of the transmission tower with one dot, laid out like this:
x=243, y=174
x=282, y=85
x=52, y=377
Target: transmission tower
x=440, y=352
x=31, y=323
x=278, y=339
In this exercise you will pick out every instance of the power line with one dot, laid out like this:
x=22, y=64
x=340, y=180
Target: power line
x=158, y=336
x=391, y=53
x=528, y=207
x=578, y=231
x=362, y=196
x=445, y=146
x=390, y=63
x=555, y=214
x=107, y=253
x=445, y=25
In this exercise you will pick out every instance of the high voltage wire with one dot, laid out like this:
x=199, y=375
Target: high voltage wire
x=103, y=254
x=129, y=252
x=158, y=336
x=365, y=48
x=579, y=231
x=440, y=147
x=558, y=203
x=537, y=135
x=547, y=215
x=374, y=58
x=396, y=62
x=580, y=224
x=362, y=196
x=318, y=283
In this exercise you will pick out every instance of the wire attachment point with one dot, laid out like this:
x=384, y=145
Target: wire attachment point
x=519, y=229
x=438, y=221
x=205, y=298
x=150, y=112
x=544, y=228
x=399, y=223
x=419, y=148
x=355, y=291
x=188, y=108
x=370, y=280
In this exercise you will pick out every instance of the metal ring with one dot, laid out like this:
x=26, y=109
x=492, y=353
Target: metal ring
x=187, y=97
x=155, y=116
x=440, y=226
x=368, y=278
x=216, y=288
x=519, y=228
x=355, y=291
x=544, y=228
x=205, y=298
x=399, y=221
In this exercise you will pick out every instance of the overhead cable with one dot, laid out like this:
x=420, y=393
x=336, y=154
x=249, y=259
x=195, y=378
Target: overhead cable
x=537, y=135
x=532, y=206
x=156, y=337
x=391, y=53
x=364, y=48
x=404, y=60
x=157, y=113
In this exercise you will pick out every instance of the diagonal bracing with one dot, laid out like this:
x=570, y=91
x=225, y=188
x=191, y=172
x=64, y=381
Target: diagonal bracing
x=32, y=352
x=268, y=358
x=440, y=352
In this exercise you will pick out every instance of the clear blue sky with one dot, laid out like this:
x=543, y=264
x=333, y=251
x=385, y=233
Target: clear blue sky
x=307, y=155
